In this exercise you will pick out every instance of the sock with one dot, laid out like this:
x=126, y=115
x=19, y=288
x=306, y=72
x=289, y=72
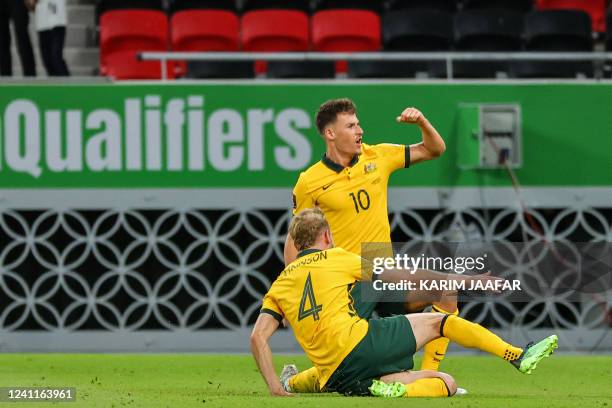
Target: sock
x=427, y=387
x=435, y=350
x=472, y=335
x=306, y=381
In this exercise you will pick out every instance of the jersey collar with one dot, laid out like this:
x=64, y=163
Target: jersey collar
x=307, y=252
x=335, y=166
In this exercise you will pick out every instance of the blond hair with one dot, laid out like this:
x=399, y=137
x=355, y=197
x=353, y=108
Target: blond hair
x=306, y=227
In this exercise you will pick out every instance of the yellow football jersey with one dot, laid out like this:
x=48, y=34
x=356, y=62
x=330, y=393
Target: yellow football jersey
x=354, y=198
x=313, y=294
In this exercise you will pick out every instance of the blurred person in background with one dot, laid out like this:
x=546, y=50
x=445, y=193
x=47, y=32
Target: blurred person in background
x=51, y=21
x=15, y=10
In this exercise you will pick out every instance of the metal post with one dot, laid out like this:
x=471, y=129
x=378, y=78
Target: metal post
x=164, y=69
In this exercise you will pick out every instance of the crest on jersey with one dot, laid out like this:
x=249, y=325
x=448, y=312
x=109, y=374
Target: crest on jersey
x=369, y=168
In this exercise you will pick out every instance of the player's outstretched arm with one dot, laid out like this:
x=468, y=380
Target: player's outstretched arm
x=264, y=327
x=432, y=145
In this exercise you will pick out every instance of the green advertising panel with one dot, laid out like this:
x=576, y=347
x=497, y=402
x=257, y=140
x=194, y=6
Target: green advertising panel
x=262, y=135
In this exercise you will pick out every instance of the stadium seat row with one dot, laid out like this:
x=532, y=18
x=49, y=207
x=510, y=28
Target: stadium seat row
x=124, y=33
x=595, y=8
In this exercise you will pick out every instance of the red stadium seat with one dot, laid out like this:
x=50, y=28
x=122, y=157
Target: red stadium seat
x=205, y=30
x=595, y=8
x=275, y=30
x=124, y=65
x=125, y=33
x=345, y=31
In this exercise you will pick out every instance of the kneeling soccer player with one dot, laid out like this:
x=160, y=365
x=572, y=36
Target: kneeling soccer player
x=355, y=356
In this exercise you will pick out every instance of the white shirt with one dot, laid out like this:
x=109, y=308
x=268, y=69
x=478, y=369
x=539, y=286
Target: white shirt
x=50, y=14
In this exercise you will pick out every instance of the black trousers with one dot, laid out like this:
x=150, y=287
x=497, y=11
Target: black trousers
x=15, y=10
x=52, y=51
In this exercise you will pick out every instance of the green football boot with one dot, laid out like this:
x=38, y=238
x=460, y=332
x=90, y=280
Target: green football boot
x=534, y=353
x=393, y=390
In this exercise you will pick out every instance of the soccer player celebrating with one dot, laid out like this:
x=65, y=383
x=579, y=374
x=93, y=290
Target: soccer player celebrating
x=349, y=185
x=352, y=355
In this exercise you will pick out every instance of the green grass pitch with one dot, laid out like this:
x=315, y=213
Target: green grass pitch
x=198, y=380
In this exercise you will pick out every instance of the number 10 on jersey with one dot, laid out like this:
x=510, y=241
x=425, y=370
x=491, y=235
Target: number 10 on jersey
x=361, y=200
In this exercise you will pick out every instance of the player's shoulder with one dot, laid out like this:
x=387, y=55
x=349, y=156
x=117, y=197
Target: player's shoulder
x=384, y=152
x=368, y=149
x=273, y=290
x=381, y=148
x=343, y=254
x=373, y=151
x=313, y=178
x=313, y=172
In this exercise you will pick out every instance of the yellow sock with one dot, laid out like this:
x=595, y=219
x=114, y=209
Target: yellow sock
x=427, y=387
x=472, y=335
x=305, y=381
x=435, y=350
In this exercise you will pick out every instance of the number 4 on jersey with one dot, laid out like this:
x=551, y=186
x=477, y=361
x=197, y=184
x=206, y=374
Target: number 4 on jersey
x=309, y=296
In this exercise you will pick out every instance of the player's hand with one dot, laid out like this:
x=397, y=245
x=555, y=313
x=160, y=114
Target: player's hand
x=280, y=392
x=411, y=115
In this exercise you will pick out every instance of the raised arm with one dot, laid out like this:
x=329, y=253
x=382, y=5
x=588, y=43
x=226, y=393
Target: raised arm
x=432, y=145
x=264, y=327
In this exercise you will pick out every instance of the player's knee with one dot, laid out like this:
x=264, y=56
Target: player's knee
x=451, y=385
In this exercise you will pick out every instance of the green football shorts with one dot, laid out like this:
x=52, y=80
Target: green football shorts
x=387, y=348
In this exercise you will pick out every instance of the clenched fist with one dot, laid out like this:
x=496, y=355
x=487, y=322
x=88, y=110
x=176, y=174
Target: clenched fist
x=411, y=115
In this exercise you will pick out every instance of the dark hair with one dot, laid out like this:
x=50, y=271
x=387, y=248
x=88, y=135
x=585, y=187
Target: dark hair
x=329, y=111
